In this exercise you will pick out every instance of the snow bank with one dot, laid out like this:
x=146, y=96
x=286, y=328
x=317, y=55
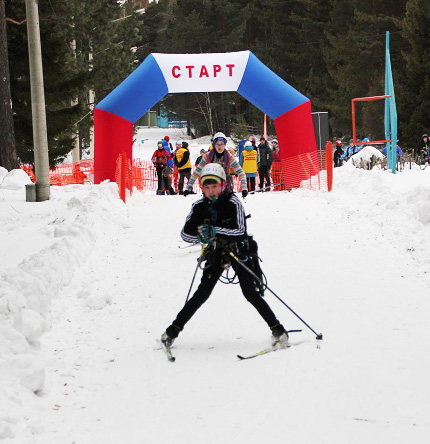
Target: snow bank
x=366, y=156
x=14, y=180
x=399, y=203
x=86, y=216
x=3, y=173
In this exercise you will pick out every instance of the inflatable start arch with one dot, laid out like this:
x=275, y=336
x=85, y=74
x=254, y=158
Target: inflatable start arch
x=160, y=74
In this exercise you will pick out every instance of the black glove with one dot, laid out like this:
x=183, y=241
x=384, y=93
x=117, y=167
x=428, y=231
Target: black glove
x=206, y=232
x=244, y=193
x=187, y=192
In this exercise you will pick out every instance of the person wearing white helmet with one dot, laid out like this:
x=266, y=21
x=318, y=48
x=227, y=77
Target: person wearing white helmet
x=222, y=157
x=218, y=221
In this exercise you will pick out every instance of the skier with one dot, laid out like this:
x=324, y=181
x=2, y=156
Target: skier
x=249, y=160
x=218, y=221
x=338, y=154
x=183, y=163
x=221, y=156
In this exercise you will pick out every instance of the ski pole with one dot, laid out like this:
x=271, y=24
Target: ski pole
x=195, y=272
x=319, y=336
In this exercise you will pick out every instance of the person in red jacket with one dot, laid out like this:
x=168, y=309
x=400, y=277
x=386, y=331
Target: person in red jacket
x=275, y=149
x=160, y=160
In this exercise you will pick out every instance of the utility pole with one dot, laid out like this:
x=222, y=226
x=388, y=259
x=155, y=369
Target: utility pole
x=40, y=138
x=8, y=157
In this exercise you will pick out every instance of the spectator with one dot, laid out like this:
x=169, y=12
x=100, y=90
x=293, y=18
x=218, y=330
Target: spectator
x=167, y=171
x=338, y=154
x=275, y=149
x=351, y=149
x=266, y=159
x=202, y=153
x=160, y=160
x=399, y=152
x=249, y=159
x=183, y=163
x=423, y=150
x=178, y=146
x=276, y=165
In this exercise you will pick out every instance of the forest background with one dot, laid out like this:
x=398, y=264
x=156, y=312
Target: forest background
x=329, y=50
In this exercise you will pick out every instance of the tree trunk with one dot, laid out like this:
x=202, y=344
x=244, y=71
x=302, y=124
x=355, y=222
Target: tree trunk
x=8, y=157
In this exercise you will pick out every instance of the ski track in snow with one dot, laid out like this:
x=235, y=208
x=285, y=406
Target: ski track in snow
x=108, y=383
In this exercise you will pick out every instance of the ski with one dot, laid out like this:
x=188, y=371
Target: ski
x=277, y=346
x=260, y=190
x=274, y=348
x=167, y=350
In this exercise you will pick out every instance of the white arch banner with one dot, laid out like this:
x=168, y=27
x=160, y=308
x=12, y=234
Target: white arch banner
x=203, y=72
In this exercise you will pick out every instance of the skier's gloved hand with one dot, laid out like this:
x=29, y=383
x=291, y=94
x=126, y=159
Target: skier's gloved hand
x=187, y=192
x=244, y=193
x=205, y=233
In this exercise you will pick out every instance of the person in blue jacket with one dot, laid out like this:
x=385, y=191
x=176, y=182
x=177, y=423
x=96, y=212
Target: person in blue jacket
x=168, y=148
x=399, y=153
x=349, y=151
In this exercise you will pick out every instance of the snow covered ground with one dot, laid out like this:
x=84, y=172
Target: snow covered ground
x=88, y=284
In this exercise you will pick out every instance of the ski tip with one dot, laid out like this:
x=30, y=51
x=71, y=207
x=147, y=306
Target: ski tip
x=240, y=357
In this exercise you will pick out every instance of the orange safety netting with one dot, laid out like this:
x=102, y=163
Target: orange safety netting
x=75, y=173
x=309, y=170
x=123, y=176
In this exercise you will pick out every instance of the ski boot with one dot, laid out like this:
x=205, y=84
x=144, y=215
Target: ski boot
x=167, y=340
x=279, y=336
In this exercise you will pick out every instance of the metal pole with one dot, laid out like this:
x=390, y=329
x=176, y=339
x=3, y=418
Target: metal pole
x=353, y=121
x=40, y=138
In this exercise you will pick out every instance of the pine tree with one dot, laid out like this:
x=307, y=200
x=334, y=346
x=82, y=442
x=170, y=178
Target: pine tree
x=415, y=94
x=356, y=60
x=70, y=31
x=195, y=26
x=8, y=156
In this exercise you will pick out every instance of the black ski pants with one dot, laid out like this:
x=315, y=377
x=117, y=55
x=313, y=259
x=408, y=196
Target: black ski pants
x=263, y=172
x=163, y=181
x=251, y=183
x=210, y=277
x=186, y=173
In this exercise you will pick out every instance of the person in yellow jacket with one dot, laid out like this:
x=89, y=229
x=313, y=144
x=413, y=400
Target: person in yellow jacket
x=249, y=159
x=183, y=163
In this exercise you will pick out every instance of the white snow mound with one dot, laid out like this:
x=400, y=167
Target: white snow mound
x=15, y=180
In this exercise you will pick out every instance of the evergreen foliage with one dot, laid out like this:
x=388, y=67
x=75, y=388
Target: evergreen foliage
x=70, y=31
x=330, y=50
